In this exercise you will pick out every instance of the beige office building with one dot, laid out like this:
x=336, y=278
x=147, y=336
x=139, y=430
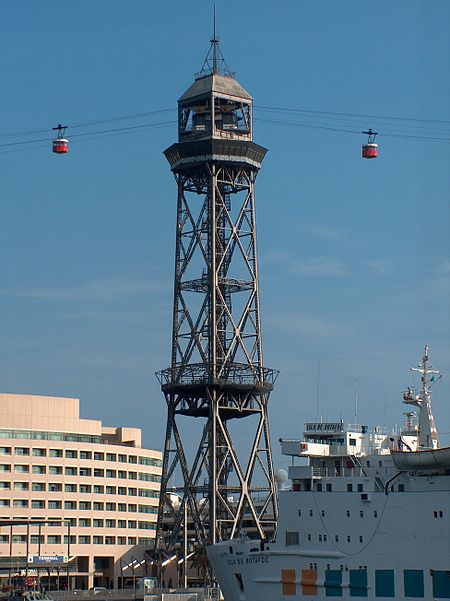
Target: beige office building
x=99, y=480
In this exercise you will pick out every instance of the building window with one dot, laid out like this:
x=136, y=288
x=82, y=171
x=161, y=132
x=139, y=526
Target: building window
x=22, y=503
x=110, y=474
x=401, y=488
x=34, y=539
x=150, y=461
x=152, y=494
x=97, y=540
x=329, y=487
x=348, y=513
x=349, y=539
x=85, y=455
x=84, y=522
x=111, y=490
x=146, y=540
x=151, y=526
x=349, y=487
x=38, y=469
x=99, y=473
x=54, y=487
x=121, y=523
x=147, y=509
x=132, y=459
x=84, y=540
x=111, y=457
x=132, y=475
x=85, y=471
x=123, y=458
x=38, y=486
x=5, y=485
x=53, y=539
x=110, y=523
x=19, y=538
x=70, y=471
x=70, y=505
x=110, y=507
x=121, y=474
x=70, y=488
x=132, y=524
x=360, y=539
x=4, y=467
x=132, y=507
x=336, y=538
x=85, y=488
x=39, y=452
x=71, y=454
x=309, y=537
x=360, y=488
x=99, y=456
x=319, y=487
x=121, y=540
x=55, y=469
x=20, y=485
x=110, y=540
x=98, y=506
x=132, y=492
x=73, y=539
x=4, y=503
x=21, y=469
x=122, y=490
x=55, y=453
x=131, y=540
x=5, y=450
x=149, y=477
x=21, y=451
x=97, y=523
x=85, y=505
x=122, y=507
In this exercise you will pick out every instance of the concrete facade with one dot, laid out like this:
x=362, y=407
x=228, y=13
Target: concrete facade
x=56, y=466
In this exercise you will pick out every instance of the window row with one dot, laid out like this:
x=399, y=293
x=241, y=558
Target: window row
x=41, y=435
x=75, y=454
x=80, y=505
x=347, y=513
x=97, y=489
x=80, y=540
x=59, y=470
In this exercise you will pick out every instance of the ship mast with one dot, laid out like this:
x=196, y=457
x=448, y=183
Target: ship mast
x=428, y=436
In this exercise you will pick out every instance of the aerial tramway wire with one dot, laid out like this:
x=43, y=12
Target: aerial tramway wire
x=307, y=114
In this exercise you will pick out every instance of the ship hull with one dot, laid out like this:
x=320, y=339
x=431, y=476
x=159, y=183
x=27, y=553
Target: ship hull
x=390, y=545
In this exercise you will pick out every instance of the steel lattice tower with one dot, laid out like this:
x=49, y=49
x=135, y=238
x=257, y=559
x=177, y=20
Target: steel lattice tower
x=217, y=374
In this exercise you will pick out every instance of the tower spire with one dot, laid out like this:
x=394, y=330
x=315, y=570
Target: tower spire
x=214, y=63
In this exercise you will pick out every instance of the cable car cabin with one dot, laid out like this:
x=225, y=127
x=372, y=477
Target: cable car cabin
x=370, y=151
x=60, y=146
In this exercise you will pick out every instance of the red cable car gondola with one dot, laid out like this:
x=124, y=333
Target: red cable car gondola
x=370, y=150
x=60, y=144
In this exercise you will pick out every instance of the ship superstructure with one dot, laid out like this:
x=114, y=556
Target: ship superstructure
x=366, y=515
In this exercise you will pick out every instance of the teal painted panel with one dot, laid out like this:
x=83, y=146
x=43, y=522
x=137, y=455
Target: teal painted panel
x=358, y=583
x=413, y=580
x=333, y=583
x=384, y=583
x=441, y=584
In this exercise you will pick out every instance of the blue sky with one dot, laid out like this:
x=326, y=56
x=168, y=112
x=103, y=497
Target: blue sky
x=354, y=255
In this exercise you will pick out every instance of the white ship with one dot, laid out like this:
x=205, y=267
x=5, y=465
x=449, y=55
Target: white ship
x=367, y=517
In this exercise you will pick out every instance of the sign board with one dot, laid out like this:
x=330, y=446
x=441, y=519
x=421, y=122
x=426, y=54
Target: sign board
x=324, y=427
x=47, y=559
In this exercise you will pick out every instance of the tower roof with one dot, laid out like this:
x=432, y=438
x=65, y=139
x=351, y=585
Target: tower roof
x=216, y=82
